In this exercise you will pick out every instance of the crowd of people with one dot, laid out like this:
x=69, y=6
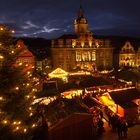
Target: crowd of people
x=117, y=124
x=98, y=124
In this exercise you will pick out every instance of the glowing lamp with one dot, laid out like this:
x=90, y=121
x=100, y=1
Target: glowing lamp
x=17, y=88
x=5, y=121
x=17, y=128
x=13, y=31
x=1, y=29
x=1, y=98
x=33, y=125
x=12, y=52
x=25, y=130
x=31, y=114
x=1, y=57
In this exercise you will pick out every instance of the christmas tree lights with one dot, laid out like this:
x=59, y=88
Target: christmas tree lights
x=17, y=89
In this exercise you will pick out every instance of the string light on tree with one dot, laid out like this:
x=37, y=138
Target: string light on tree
x=15, y=78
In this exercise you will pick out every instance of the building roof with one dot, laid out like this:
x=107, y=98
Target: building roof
x=125, y=97
x=128, y=105
x=72, y=119
x=68, y=36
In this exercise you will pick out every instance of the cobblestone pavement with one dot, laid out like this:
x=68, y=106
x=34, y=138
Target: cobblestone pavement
x=133, y=133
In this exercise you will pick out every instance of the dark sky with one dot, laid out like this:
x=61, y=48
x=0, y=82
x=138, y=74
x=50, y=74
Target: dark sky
x=51, y=18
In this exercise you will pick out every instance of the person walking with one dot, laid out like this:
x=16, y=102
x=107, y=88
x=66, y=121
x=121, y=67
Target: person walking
x=124, y=128
x=119, y=128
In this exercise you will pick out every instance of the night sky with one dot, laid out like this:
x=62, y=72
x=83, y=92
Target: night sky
x=51, y=18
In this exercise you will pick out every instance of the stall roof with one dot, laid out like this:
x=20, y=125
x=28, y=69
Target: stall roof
x=125, y=97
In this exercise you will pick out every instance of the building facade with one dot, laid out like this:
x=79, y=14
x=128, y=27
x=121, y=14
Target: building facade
x=81, y=50
x=25, y=57
x=129, y=56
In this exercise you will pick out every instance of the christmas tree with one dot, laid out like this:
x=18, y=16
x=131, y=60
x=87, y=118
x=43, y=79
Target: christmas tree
x=17, y=89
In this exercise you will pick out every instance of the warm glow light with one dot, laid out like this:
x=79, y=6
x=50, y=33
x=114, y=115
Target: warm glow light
x=28, y=84
x=12, y=52
x=19, y=122
x=72, y=93
x=31, y=114
x=58, y=73
x=1, y=29
x=1, y=57
x=14, y=122
x=17, y=128
x=33, y=125
x=30, y=108
x=74, y=43
x=25, y=130
x=1, y=98
x=17, y=88
x=34, y=90
x=28, y=72
x=28, y=96
x=13, y=31
x=82, y=44
x=5, y=121
x=90, y=43
x=120, y=89
x=20, y=63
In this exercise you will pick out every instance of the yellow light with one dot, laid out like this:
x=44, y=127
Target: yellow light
x=28, y=72
x=33, y=89
x=1, y=29
x=20, y=63
x=19, y=122
x=12, y=52
x=25, y=130
x=31, y=114
x=34, y=97
x=14, y=122
x=1, y=98
x=1, y=57
x=17, y=88
x=0, y=44
x=28, y=84
x=34, y=125
x=30, y=108
x=5, y=121
x=73, y=43
x=17, y=128
x=13, y=31
x=28, y=96
x=82, y=44
x=90, y=43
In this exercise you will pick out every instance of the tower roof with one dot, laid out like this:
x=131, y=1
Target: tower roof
x=81, y=12
x=81, y=15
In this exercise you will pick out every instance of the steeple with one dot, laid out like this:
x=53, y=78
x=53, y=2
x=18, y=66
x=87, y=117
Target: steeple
x=81, y=24
x=81, y=11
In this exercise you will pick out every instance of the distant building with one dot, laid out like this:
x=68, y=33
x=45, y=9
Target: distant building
x=25, y=57
x=43, y=66
x=128, y=56
x=81, y=50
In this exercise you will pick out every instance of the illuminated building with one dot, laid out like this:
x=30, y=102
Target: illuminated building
x=128, y=56
x=43, y=65
x=25, y=57
x=81, y=50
